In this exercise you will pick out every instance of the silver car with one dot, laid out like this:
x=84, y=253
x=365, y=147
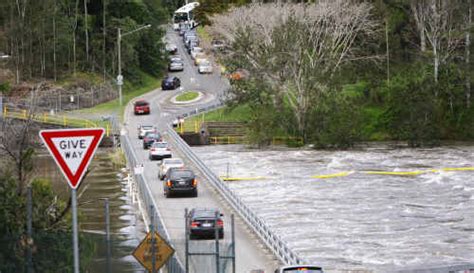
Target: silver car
x=168, y=163
x=176, y=65
x=205, y=67
x=143, y=129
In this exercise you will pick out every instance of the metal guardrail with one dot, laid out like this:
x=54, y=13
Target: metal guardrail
x=274, y=243
x=173, y=265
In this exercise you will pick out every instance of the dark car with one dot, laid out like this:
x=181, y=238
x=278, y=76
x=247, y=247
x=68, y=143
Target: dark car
x=170, y=83
x=150, y=138
x=180, y=180
x=201, y=222
x=141, y=107
x=299, y=269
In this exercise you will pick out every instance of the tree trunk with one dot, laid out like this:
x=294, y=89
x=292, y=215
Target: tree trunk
x=86, y=30
x=54, y=42
x=104, y=34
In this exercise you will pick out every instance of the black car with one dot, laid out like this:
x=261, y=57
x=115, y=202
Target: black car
x=150, y=138
x=299, y=268
x=170, y=83
x=180, y=180
x=201, y=222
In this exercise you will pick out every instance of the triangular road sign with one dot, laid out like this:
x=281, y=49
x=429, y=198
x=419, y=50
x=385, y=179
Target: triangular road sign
x=72, y=149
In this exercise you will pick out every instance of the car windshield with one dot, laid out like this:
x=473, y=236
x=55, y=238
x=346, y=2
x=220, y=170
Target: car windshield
x=160, y=145
x=303, y=270
x=181, y=174
x=173, y=162
x=205, y=63
x=141, y=103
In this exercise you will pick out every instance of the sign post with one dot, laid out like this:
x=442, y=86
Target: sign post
x=73, y=149
x=153, y=252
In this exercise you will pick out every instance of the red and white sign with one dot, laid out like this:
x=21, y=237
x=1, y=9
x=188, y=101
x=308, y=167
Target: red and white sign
x=72, y=149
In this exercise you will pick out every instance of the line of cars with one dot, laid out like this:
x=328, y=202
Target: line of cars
x=178, y=180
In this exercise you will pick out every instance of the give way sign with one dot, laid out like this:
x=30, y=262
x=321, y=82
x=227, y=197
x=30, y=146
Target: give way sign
x=72, y=149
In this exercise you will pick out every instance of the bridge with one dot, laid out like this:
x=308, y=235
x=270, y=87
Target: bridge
x=257, y=247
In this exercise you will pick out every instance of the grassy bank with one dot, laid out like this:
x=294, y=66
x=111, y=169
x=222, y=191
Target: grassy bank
x=147, y=83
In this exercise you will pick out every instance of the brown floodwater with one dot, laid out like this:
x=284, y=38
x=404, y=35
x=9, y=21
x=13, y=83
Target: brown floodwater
x=126, y=225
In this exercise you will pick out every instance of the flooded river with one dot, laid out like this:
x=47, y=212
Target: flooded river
x=126, y=224
x=358, y=219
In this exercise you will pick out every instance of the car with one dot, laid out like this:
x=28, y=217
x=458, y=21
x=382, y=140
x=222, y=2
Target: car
x=192, y=45
x=180, y=180
x=201, y=223
x=171, y=48
x=143, y=129
x=205, y=67
x=175, y=58
x=141, y=107
x=188, y=33
x=238, y=74
x=299, y=269
x=159, y=150
x=168, y=163
x=149, y=138
x=191, y=41
x=199, y=57
x=195, y=50
x=177, y=65
x=217, y=45
x=170, y=83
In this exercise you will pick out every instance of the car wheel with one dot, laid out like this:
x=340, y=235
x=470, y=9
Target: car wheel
x=194, y=193
x=221, y=235
x=168, y=194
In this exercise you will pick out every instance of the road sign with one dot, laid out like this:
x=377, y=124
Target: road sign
x=119, y=80
x=72, y=149
x=143, y=252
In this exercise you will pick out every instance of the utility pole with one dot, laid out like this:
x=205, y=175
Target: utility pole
x=120, y=76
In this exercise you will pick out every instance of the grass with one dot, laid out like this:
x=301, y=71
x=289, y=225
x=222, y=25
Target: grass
x=240, y=113
x=130, y=91
x=187, y=96
x=203, y=34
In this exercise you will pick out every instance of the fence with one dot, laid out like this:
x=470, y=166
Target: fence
x=173, y=265
x=60, y=120
x=274, y=243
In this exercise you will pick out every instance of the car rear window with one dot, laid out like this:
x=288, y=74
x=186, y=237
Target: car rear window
x=147, y=127
x=141, y=103
x=181, y=173
x=160, y=145
x=204, y=213
x=152, y=135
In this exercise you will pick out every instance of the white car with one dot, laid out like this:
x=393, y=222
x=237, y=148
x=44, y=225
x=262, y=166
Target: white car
x=143, y=129
x=195, y=51
x=205, y=67
x=169, y=163
x=159, y=150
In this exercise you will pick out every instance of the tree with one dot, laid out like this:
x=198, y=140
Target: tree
x=296, y=48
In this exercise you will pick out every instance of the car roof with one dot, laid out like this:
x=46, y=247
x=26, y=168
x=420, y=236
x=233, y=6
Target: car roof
x=166, y=160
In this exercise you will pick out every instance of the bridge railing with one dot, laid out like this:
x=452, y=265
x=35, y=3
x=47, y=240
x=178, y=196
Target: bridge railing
x=173, y=265
x=273, y=242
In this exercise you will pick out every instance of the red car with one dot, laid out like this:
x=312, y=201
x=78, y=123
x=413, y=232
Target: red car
x=141, y=107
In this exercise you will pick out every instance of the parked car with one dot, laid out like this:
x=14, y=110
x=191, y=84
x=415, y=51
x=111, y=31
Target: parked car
x=176, y=65
x=171, y=48
x=299, y=269
x=205, y=66
x=143, y=129
x=217, y=45
x=238, y=74
x=168, y=163
x=149, y=138
x=201, y=223
x=159, y=150
x=199, y=57
x=170, y=83
x=141, y=107
x=180, y=180
x=195, y=50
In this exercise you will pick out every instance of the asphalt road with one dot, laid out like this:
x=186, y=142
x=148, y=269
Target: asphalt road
x=250, y=254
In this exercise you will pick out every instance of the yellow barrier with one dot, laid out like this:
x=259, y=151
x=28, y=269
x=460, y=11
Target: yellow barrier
x=341, y=174
x=413, y=173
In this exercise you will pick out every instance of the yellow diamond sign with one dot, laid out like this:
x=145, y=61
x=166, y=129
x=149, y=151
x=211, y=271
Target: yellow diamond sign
x=144, y=252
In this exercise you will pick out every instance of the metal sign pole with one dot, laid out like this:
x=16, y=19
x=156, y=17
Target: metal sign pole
x=107, y=234
x=75, y=239
x=153, y=242
x=217, y=242
x=233, y=243
x=187, y=239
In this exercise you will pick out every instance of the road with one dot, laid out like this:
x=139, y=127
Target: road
x=250, y=253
